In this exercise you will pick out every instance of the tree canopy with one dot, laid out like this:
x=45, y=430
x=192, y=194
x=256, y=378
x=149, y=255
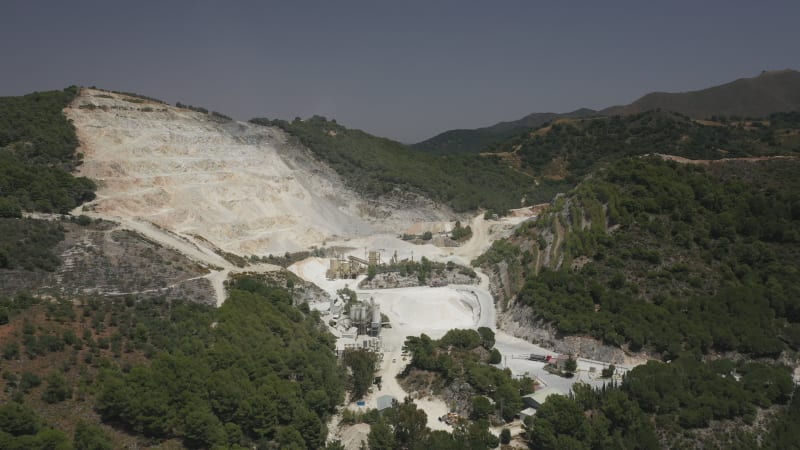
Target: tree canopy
x=37, y=154
x=255, y=371
x=661, y=404
x=670, y=257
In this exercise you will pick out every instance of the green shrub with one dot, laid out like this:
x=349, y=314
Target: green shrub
x=481, y=407
x=29, y=380
x=505, y=436
x=57, y=389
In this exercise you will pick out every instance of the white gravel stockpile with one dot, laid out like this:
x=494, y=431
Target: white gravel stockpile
x=425, y=309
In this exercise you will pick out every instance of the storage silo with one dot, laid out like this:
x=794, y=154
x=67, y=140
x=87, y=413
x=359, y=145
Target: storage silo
x=376, y=320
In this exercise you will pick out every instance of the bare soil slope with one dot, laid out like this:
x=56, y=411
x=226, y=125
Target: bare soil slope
x=105, y=259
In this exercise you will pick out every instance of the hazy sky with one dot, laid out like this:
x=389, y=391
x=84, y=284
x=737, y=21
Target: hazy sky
x=405, y=70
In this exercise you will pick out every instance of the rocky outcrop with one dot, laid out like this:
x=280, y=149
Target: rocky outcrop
x=505, y=280
x=519, y=321
x=458, y=396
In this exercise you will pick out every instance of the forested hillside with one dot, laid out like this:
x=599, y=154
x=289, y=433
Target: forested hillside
x=649, y=254
x=684, y=404
x=570, y=149
x=690, y=263
x=376, y=166
x=28, y=244
x=256, y=370
x=37, y=153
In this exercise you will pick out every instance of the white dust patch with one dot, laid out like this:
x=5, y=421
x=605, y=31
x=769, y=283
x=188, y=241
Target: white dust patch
x=433, y=311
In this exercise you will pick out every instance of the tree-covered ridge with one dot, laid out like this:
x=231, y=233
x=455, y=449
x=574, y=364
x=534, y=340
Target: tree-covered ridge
x=37, y=154
x=768, y=93
x=683, y=404
x=669, y=257
x=477, y=140
x=376, y=166
x=256, y=371
x=573, y=148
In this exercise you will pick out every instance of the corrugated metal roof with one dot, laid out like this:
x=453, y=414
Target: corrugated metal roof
x=385, y=401
x=541, y=395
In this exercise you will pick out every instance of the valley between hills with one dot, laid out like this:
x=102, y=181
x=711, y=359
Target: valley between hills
x=174, y=278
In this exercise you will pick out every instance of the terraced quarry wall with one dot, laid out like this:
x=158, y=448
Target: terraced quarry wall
x=240, y=187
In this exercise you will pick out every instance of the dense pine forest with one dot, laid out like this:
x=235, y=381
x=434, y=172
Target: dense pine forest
x=37, y=154
x=691, y=263
x=669, y=257
x=684, y=404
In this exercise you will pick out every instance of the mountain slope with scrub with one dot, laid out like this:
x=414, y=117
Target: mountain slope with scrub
x=654, y=255
x=377, y=166
x=154, y=373
x=571, y=149
x=475, y=140
x=692, y=263
x=768, y=93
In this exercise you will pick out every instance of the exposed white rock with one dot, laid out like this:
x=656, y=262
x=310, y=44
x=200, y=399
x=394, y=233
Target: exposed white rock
x=243, y=188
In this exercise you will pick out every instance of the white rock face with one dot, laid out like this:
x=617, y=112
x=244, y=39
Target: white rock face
x=240, y=187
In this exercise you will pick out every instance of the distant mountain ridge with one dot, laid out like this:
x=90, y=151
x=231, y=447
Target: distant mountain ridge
x=769, y=92
x=534, y=120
